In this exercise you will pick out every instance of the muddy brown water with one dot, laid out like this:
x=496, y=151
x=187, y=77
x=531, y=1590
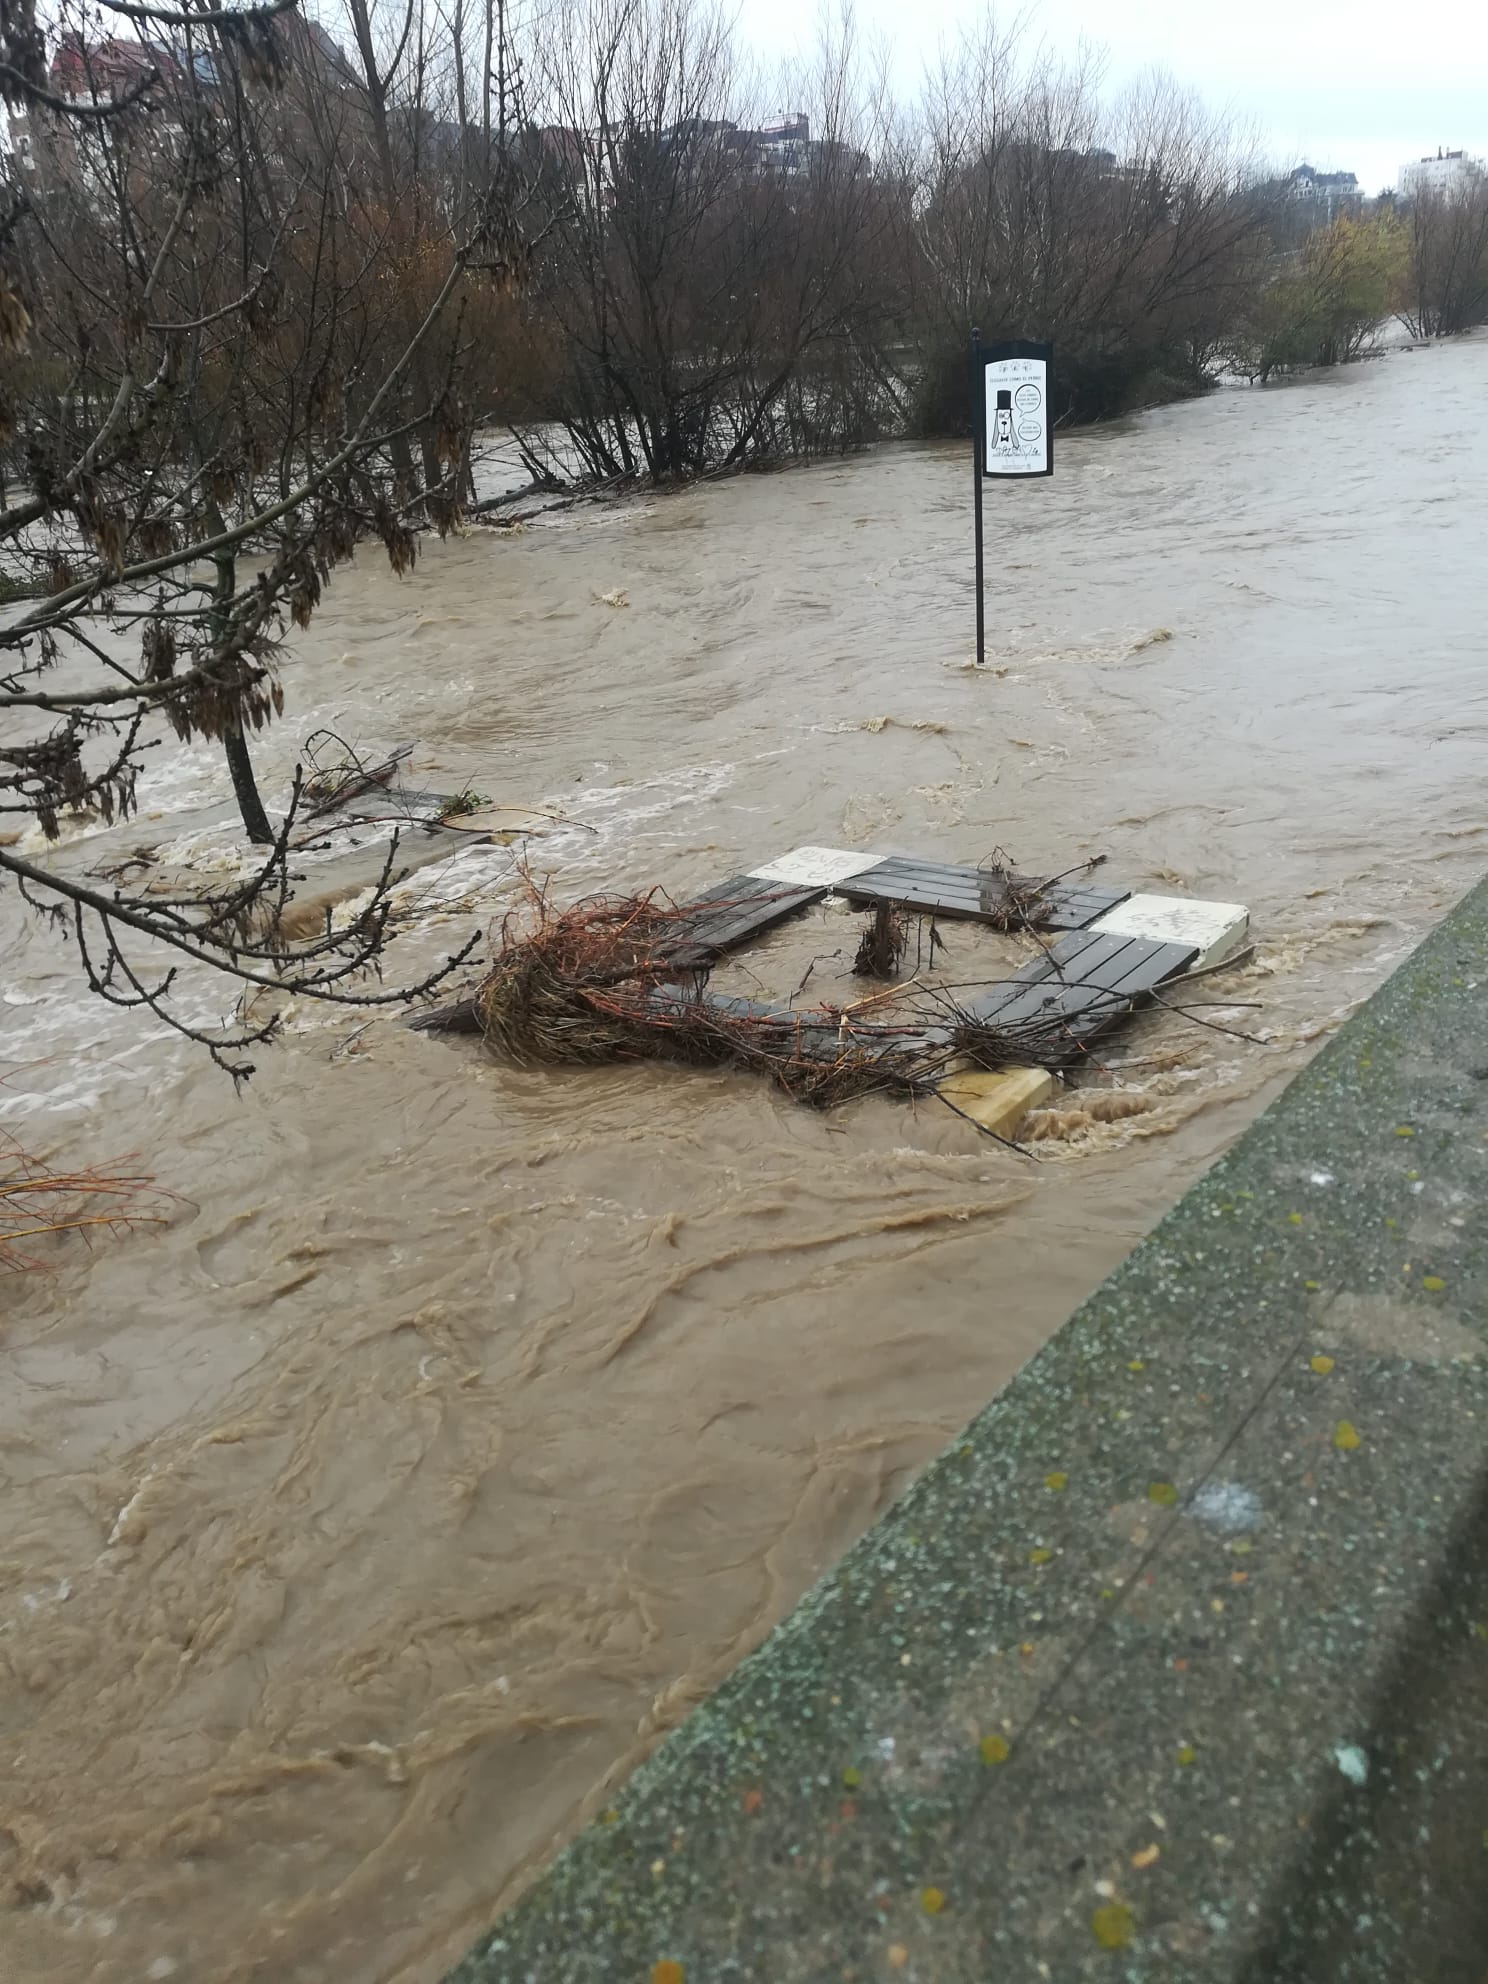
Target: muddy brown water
x=367, y=1523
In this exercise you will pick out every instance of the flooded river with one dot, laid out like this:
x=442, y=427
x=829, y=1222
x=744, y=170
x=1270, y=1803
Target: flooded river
x=364, y=1526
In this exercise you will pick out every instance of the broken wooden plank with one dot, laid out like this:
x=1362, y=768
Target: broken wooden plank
x=976, y=894
x=811, y=1035
x=732, y=913
x=1076, y=905
x=1084, y=984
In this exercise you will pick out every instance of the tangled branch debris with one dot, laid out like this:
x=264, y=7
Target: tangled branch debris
x=35, y=1200
x=616, y=978
x=881, y=947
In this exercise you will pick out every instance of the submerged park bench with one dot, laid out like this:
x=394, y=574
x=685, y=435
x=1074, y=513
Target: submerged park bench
x=1175, y=1665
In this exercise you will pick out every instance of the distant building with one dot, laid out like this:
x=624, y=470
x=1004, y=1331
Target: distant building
x=51, y=152
x=784, y=146
x=1447, y=173
x=1325, y=195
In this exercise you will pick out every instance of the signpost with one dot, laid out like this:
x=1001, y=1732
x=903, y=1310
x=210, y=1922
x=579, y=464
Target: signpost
x=1012, y=427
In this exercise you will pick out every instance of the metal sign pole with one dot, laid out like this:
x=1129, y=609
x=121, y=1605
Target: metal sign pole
x=1012, y=429
x=978, y=426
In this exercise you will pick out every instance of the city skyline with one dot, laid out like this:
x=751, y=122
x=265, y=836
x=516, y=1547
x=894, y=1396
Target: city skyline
x=1336, y=85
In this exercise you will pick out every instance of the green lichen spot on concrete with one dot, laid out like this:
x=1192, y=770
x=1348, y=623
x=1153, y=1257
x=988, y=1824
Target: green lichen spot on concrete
x=995, y=1749
x=1056, y=1483
x=1163, y=1493
x=1114, y=1925
x=932, y=1900
x=1346, y=1436
x=1434, y=1282
x=852, y=1778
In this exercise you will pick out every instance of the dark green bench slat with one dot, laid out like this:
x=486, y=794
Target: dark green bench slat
x=731, y=913
x=975, y=893
x=1086, y=983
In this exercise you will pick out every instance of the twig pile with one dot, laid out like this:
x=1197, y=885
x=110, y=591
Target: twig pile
x=616, y=978
x=881, y=946
x=35, y=1200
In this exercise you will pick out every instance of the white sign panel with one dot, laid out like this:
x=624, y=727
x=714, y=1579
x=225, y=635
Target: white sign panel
x=1213, y=928
x=816, y=867
x=1016, y=439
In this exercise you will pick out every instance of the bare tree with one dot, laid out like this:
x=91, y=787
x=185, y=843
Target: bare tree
x=1123, y=234
x=1448, y=286
x=704, y=257
x=227, y=352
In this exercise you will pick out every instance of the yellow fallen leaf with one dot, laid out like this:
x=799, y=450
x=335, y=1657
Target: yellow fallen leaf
x=995, y=1749
x=1040, y=1556
x=1322, y=1365
x=1188, y=1755
x=852, y=1778
x=1346, y=1436
x=898, y=1955
x=1295, y=1218
x=667, y=1972
x=1148, y=1856
x=1056, y=1483
x=1137, y=1364
x=1405, y=1131
x=1163, y=1493
x=1113, y=1925
x=932, y=1900
x=1434, y=1282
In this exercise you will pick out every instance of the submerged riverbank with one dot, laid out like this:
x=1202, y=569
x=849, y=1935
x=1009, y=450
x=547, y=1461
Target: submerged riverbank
x=466, y=1425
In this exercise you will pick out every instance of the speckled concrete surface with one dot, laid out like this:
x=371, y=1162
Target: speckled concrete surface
x=1175, y=1666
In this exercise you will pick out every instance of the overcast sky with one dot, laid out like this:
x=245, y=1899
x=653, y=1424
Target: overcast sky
x=1349, y=85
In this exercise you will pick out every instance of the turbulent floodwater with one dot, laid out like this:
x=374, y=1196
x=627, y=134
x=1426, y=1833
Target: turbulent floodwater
x=363, y=1526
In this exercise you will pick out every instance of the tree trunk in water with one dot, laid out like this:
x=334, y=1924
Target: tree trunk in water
x=234, y=743
x=250, y=805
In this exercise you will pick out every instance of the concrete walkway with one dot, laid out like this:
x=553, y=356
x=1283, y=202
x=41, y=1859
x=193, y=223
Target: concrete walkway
x=1175, y=1666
